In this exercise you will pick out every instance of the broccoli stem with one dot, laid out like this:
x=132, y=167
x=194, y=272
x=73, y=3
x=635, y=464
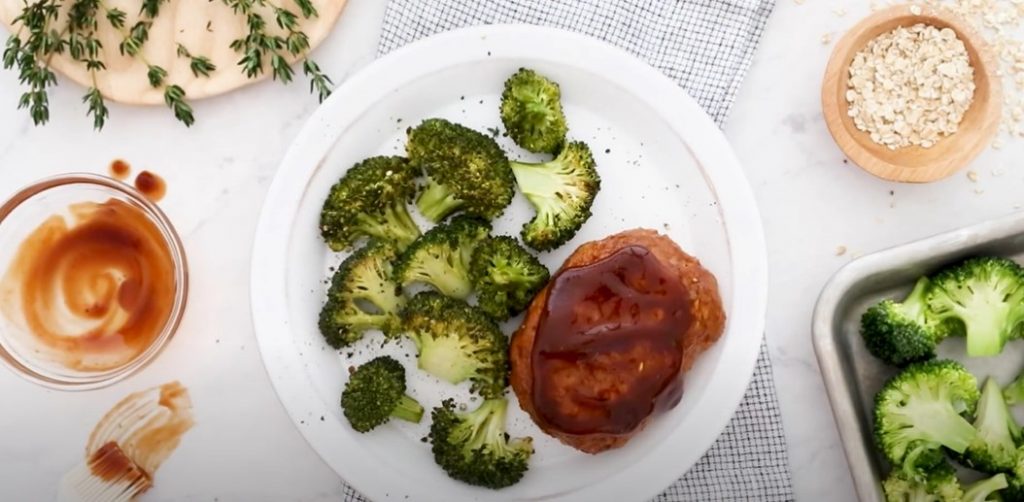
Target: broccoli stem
x=535, y=179
x=437, y=201
x=453, y=285
x=444, y=358
x=507, y=274
x=1014, y=393
x=394, y=225
x=494, y=429
x=940, y=422
x=987, y=333
x=488, y=424
x=979, y=491
x=992, y=419
x=408, y=409
x=541, y=184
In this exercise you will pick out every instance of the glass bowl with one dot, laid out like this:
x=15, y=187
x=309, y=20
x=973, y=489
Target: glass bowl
x=20, y=216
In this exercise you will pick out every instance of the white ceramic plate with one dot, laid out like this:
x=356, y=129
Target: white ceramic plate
x=664, y=165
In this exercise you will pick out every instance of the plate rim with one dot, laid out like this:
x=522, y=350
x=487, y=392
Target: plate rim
x=706, y=142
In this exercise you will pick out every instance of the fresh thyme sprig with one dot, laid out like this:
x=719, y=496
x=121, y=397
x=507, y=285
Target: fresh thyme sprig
x=84, y=47
x=318, y=82
x=259, y=47
x=200, y=65
x=32, y=56
x=132, y=42
x=41, y=34
x=174, y=96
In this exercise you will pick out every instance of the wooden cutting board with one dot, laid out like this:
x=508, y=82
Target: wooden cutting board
x=204, y=27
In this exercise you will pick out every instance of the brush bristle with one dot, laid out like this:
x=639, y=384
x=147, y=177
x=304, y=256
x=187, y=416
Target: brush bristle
x=108, y=475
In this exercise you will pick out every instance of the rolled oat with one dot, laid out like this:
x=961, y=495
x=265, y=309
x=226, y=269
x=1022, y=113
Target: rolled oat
x=910, y=86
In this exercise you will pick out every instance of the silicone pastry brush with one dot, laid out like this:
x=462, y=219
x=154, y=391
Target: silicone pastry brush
x=128, y=445
x=108, y=475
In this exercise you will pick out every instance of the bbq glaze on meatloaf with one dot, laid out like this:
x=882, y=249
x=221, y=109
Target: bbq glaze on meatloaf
x=596, y=358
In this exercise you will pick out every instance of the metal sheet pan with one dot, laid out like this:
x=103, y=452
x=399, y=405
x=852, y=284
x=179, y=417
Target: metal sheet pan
x=852, y=375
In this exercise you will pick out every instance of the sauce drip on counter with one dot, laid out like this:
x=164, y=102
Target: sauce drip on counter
x=151, y=185
x=120, y=169
x=110, y=463
x=609, y=344
x=94, y=287
x=139, y=434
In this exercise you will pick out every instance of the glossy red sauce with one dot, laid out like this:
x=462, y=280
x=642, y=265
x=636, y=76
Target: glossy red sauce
x=609, y=344
x=120, y=169
x=110, y=463
x=151, y=185
x=95, y=287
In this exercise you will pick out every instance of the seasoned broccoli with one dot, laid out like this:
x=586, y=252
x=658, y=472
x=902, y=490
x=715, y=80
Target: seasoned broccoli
x=900, y=333
x=457, y=342
x=362, y=296
x=1015, y=480
x=994, y=449
x=561, y=191
x=370, y=201
x=1014, y=393
x=375, y=393
x=920, y=410
x=442, y=256
x=984, y=297
x=983, y=490
x=937, y=484
x=474, y=448
x=531, y=110
x=506, y=277
x=466, y=171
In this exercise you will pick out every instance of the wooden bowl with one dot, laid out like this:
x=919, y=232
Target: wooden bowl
x=913, y=164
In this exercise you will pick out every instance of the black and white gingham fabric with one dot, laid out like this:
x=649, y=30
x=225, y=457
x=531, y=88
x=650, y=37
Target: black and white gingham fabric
x=706, y=46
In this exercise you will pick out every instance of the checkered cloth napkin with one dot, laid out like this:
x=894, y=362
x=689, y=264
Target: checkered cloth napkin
x=706, y=46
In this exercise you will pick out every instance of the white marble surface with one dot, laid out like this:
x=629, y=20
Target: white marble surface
x=246, y=448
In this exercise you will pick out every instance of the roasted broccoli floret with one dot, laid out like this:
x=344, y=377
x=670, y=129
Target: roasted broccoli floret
x=531, y=110
x=922, y=409
x=1015, y=480
x=994, y=449
x=1014, y=393
x=474, y=448
x=506, y=277
x=466, y=171
x=984, y=489
x=370, y=201
x=982, y=296
x=442, y=256
x=457, y=342
x=561, y=191
x=375, y=393
x=362, y=296
x=900, y=333
x=938, y=484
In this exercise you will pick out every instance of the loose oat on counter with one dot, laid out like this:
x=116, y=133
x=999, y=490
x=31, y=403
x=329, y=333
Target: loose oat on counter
x=910, y=86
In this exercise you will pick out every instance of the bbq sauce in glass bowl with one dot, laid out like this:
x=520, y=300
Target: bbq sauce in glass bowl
x=93, y=281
